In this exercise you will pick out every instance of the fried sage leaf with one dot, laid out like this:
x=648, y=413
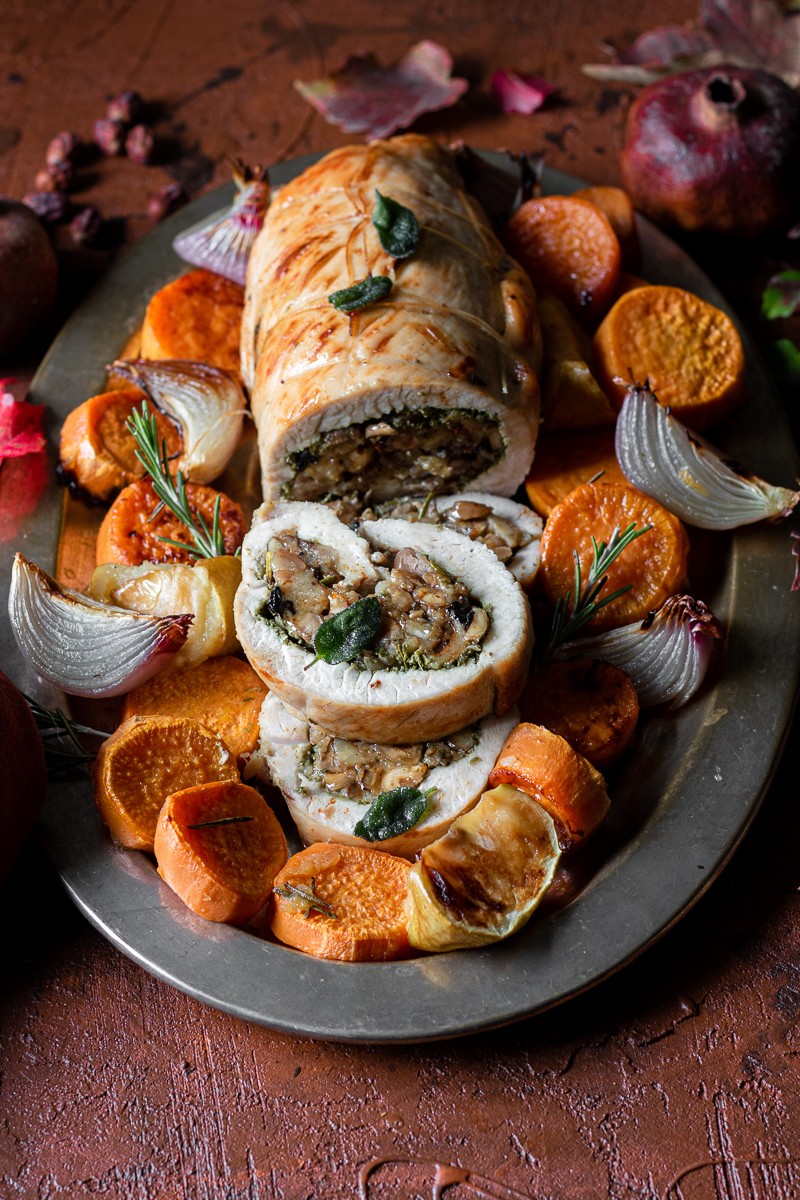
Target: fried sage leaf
x=342, y=637
x=398, y=228
x=393, y=813
x=360, y=294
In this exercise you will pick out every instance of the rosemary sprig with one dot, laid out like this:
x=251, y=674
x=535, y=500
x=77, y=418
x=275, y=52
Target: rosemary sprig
x=306, y=896
x=208, y=543
x=63, y=748
x=573, y=611
x=219, y=821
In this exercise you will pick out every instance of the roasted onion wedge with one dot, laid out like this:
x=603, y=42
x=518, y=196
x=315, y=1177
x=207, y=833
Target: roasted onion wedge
x=329, y=781
x=659, y=455
x=666, y=655
x=484, y=878
x=85, y=647
x=207, y=403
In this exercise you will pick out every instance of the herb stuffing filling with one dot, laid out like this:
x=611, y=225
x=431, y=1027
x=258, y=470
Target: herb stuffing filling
x=428, y=620
x=360, y=771
x=422, y=450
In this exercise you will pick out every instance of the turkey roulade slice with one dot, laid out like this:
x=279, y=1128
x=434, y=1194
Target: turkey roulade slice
x=512, y=531
x=432, y=387
x=330, y=781
x=447, y=642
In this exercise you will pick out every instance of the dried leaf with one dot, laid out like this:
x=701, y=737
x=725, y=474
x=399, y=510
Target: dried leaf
x=520, y=93
x=781, y=295
x=364, y=97
x=747, y=33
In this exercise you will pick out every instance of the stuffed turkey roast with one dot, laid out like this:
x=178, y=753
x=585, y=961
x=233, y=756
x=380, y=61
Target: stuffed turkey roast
x=430, y=388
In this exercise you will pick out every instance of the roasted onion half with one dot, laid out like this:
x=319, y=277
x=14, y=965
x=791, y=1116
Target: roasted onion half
x=683, y=472
x=666, y=655
x=207, y=403
x=83, y=646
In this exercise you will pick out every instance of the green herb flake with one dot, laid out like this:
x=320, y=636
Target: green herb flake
x=343, y=636
x=360, y=294
x=393, y=813
x=781, y=296
x=398, y=228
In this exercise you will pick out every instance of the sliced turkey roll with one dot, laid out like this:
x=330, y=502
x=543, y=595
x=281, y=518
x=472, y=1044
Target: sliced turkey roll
x=329, y=781
x=430, y=388
x=447, y=640
x=512, y=531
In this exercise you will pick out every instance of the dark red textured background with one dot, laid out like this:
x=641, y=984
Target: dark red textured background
x=679, y=1077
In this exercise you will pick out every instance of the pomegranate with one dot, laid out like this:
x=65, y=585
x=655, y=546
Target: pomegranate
x=715, y=149
x=27, y=273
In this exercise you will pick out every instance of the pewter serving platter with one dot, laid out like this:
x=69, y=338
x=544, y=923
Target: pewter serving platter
x=681, y=800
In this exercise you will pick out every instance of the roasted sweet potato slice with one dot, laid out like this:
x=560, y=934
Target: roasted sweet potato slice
x=688, y=351
x=653, y=566
x=569, y=249
x=219, y=847
x=132, y=528
x=360, y=915
x=618, y=207
x=565, y=460
x=97, y=452
x=143, y=762
x=223, y=693
x=544, y=766
x=197, y=316
x=593, y=705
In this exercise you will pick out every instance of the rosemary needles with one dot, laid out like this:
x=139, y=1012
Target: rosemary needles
x=575, y=609
x=208, y=543
x=63, y=748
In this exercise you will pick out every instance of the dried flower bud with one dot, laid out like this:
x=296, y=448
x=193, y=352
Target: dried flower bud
x=87, y=226
x=50, y=207
x=55, y=177
x=139, y=144
x=109, y=136
x=62, y=148
x=125, y=107
x=165, y=201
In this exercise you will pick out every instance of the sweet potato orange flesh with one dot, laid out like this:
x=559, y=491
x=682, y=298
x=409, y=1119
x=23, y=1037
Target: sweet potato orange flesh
x=571, y=396
x=592, y=705
x=365, y=892
x=223, y=693
x=97, y=452
x=223, y=871
x=143, y=762
x=132, y=528
x=565, y=460
x=654, y=565
x=197, y=316
x=688, y=350
x=546, y=767
x=568, y=248
x=618, y=207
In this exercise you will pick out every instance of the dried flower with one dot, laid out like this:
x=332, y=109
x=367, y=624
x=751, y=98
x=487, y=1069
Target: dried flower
x=62, y=148
x=165, y=201
x=55, y=177
x=87, y=226
x=139, y=144
x=109, y=136
x=125, y=107
x=50, y=207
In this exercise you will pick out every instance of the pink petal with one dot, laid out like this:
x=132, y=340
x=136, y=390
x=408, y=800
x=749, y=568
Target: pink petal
x=20, y=427
x=364, y=97
x=520, y=93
